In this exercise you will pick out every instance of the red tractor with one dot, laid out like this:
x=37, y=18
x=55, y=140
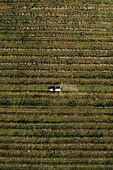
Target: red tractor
x=53, y=89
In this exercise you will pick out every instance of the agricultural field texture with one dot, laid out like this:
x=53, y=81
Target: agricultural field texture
x=47, y=43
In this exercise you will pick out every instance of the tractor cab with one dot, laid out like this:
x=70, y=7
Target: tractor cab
x=51, y=89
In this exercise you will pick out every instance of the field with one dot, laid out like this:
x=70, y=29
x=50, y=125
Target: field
x=52, y=42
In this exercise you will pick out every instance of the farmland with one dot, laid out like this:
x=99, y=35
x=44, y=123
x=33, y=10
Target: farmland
x=47, y=43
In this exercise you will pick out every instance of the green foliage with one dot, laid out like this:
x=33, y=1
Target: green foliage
x=45, y=43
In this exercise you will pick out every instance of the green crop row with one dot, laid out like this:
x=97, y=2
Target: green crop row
x=19, y=34
x=55, y=118
x=49, y=161
x=56, y=126
x=80, y=81
x=60, y=17
x=54, y=2
x=54, y=27
x=61, y=147
x=57, y=132
x=67, y=60
x=104, y=113
x=41, y=90
x=74, y=96
x=64, y=12
x=51, y=22
x=54, y=166
x=49, y=102
x=55, y=154
x=53, y=74
x=54, y=43
x=63, y=161
x=54, y=67
x=58, y=45
x=49, y=52
x=53, y=140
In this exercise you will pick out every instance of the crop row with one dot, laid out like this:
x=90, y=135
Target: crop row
x=54, y=43
x=59, y=4
x=21, y=43
x=54, y=140
x=48, y=34
x=56, y=53
x=48, y=133
x=74, y=96
x=47, y=23
x=57, y=27
x=57, y=20
x=60, y=74
x=64, y=12
x=62, y=147
x=90, y=27
x=45, y=102
x=59, y=60
x=80, y=81
x=54, y=2
x=40, y=117
x=104, y=113
x=54, y=65
x=55, y=126
x=41, y=90
x=58, y=161
x=66, y=15
x=54, y=166
x=55, y=154
x=92, y=112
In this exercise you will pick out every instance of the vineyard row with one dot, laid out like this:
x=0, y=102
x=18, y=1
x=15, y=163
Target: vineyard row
x=49, y=60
